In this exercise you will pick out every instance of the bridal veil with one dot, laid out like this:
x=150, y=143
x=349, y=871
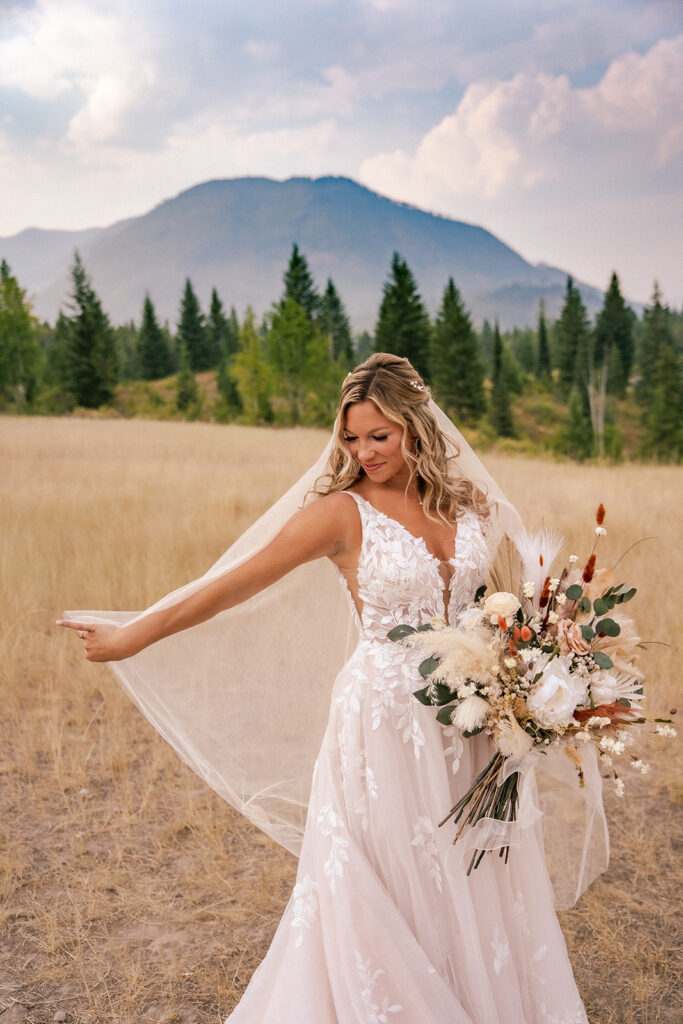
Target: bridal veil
x=244, y=697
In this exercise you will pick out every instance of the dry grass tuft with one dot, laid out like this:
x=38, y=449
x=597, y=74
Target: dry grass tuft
x=129, y=892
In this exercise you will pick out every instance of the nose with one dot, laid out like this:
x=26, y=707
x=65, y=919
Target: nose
x=365, y=451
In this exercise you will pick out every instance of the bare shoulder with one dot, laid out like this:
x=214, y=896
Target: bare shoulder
x=337, y=515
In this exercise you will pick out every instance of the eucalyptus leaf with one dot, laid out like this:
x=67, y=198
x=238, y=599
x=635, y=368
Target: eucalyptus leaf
x=602, y=660
x=426, y=627
x=475, y=732
x=444, y=714
x=600, y=605
x=608, y=627
x=587, y=633
x=585, y=604
x=428, y=666
x=574, y=592
x=399, y=632
x=627, y=595
x=423, y=696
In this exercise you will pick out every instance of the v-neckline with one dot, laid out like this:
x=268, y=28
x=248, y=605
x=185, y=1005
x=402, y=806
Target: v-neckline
x=415, y=536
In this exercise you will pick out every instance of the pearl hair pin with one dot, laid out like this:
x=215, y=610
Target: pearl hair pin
x=416, y=384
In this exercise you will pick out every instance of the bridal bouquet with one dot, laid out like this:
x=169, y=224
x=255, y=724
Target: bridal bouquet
x=554, y=664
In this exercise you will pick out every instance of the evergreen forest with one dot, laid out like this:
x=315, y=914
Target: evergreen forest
x=609, y=389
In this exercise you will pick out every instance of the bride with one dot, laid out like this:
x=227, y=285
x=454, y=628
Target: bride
x=384, y=925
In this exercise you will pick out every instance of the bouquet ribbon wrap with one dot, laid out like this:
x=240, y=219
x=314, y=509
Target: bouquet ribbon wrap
x=568, y=817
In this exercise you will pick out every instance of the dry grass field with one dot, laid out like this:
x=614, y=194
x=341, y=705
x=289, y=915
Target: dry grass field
x=130, y=893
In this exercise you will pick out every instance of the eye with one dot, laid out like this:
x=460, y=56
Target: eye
x=383, y=438
x=350, y=438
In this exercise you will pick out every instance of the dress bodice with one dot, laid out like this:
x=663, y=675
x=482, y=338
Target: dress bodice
x=400, y=581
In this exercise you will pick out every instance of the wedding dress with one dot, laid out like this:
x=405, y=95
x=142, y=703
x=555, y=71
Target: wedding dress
x=384, y=926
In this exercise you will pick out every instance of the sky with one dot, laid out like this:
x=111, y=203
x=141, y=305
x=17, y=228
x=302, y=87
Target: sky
x=556, y=124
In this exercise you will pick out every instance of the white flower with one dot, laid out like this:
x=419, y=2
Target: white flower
x=528, y=654
x=600, y=531
x=501, y=603
x=510, y=662
x=471, y=618
x=561, y=598
x=557, y=693
x=553, y=584
x=513, y=741
x=603, y=687
x=553, y=617
x=665, y=730
x=607, y=743
x=529, y=588
x=642, y=765
x=606, y=759
x=598, y=722
x=437, y=621
x=619, y=786
x=470, y=713
x=573, y=558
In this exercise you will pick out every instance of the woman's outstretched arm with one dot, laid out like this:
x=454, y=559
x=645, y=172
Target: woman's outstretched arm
x=326, y=527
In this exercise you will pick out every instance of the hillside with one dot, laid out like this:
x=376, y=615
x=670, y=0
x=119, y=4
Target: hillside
x=237, y=235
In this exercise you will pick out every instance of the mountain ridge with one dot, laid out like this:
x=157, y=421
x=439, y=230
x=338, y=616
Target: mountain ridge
x=236, y=234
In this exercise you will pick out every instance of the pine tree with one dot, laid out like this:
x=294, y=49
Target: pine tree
x=299, y=286
x=663, y=418
x=219, y=334
x=578, y=431
x=91, y=359
x=335, y=324
x=614, y=338
x=457, y=370
x=486, y=340
x=154, y=356
x=571, y=334
x=192, y=331
x=403, y=325
x=19, y=350
x=543, y=365
x=656, y=332
x=252, y=373
x=187, y=392
x=290, y=340
x=501, y=412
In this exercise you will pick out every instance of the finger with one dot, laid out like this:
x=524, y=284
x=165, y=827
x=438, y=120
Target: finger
x=86, y=627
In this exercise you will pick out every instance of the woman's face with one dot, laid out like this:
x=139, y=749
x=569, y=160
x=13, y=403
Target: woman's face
x=375, y=442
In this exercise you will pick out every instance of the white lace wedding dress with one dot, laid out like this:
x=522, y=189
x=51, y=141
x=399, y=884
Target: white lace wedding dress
x=384, y=926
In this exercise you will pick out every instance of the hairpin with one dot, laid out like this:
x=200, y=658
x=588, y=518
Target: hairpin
x=418, y=387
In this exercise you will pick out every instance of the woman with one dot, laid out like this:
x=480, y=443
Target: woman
x=384, y=925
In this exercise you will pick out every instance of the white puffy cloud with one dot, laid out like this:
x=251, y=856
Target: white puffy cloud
x=534, y=158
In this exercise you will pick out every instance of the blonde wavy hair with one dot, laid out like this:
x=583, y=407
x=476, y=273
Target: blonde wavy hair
x=401, y=395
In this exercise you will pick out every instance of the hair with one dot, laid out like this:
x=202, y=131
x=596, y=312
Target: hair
x=400, y=394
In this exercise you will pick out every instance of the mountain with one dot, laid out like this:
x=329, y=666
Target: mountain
x=237, y=235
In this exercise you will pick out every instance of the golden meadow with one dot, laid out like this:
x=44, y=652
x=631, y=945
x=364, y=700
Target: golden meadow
x=130, y=892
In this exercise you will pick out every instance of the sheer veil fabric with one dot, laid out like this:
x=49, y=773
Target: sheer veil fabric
x=244, y=698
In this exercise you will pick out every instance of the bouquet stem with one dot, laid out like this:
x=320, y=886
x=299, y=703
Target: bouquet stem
x=487, y=798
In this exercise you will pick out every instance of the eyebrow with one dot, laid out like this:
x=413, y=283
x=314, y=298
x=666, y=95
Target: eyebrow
x=377, y=430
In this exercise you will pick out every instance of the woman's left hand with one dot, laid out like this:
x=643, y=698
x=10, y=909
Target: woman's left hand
x=101, y=642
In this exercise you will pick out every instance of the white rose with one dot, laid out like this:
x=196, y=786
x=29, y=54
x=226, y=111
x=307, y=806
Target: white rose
x=603, y=687
x=501, y=603
x=471, y=618
x=557, y=693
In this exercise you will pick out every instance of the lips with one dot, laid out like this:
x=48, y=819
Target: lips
x=373, y=467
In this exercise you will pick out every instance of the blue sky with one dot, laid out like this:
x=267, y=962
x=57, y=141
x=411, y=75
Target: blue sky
x=554, y=123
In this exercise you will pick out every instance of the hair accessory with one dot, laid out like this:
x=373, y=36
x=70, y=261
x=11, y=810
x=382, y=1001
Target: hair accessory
x=418, y=387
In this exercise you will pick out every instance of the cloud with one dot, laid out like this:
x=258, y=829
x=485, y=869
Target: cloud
x=535, y=158
x=513, y=135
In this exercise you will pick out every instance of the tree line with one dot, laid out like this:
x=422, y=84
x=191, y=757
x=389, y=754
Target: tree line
x=585, y=378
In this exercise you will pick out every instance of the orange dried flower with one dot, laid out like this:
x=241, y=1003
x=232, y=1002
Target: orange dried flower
x=590, y=569
x=540, y=560
x=525, y=633
x=502, y=623
x=511, y=646
x=517, y=633
x=600, y=514
x=545, y=593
